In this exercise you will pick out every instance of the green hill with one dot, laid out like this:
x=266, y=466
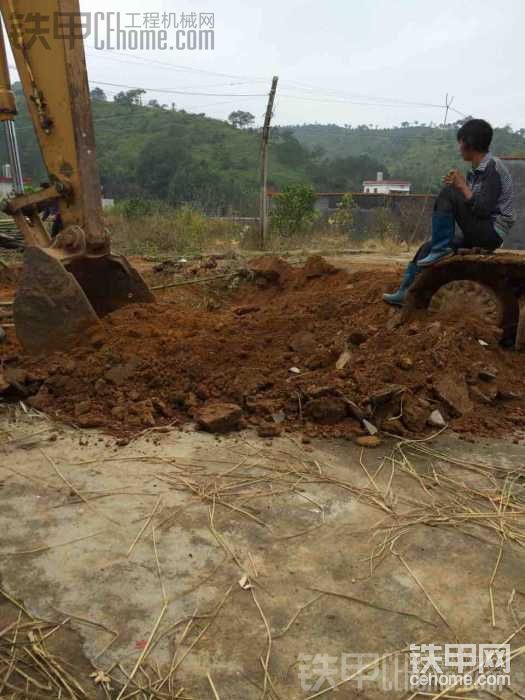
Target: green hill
x=175, y=156
x=419, y=153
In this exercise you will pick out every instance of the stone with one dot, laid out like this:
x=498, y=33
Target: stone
x=368, y=441
x=89, y=421
x=415, y=414
x=119, y=412
x=358, y=337
x=436, y=420
x=270, y=269
x=508, y=395
x=3, y=335
x=326, y=410
x=162, y=408
x=323, y=358
x=453, y=392
x=488, y=374
x=369, y=427
x=384, y=395
x=82, y=408
x=343, y=360
x=269, y=431
x=317, y=266
x=219, y=417
x=315, y=392
x=405, y=362
x=243, y=310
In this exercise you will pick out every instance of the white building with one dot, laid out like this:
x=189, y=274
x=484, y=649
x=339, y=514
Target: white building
x=6, y=181
x=381, y=186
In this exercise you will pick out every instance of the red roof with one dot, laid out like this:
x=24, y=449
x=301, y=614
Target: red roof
x=10, y=179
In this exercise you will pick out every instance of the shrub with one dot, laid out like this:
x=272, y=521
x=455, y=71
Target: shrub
x=294, y=210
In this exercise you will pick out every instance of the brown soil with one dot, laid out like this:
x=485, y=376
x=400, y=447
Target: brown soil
x=163, y=363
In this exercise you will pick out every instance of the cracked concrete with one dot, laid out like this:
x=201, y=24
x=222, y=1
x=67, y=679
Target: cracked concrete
x=64, y=556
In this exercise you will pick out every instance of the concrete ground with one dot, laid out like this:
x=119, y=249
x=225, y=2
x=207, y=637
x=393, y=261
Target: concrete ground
x=214, y=557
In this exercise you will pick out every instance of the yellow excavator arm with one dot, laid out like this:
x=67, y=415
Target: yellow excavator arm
x=68, y=282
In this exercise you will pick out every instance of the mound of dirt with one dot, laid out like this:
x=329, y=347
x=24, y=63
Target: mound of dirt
x=311, y=352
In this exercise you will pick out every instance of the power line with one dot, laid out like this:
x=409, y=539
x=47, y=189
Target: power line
x=173, y=66
x=365, y=99
x=181, y=92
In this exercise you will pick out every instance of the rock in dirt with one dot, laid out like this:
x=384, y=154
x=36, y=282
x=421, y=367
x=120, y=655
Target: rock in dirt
x=386, y=394
x=219, y=417
x=405, y=362
x=315, y=392
x=415, y=414
x=327, y=410
x=488, y=374
x=368, y=441
x=317, y=266
x=90, y=420
x=358, y=337
x=452, y=390
x=322, y=359
x=270, y=269
x=369, y=427
x=343, y=360
x=243, y=310
x=269, y=431
x=436, y=420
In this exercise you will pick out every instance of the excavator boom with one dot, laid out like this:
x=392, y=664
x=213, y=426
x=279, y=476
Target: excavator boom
x=69, y=282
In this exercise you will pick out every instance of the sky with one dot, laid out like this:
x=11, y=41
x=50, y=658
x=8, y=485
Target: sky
x=352, y=62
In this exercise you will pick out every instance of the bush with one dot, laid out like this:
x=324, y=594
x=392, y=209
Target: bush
x=294, y=210
x=343, y=219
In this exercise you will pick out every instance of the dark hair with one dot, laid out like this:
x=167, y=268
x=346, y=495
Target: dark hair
x=477, y=134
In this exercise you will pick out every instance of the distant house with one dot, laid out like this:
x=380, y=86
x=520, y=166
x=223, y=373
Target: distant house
x=6, y=182
x=381, y=186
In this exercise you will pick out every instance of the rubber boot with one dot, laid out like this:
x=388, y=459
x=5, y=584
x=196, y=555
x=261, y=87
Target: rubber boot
x=397, y=298
x=443, y=227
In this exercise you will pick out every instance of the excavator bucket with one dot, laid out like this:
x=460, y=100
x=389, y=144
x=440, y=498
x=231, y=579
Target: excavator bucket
x=57, y=304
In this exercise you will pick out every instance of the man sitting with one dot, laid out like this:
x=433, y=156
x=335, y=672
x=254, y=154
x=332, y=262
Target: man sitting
x=482, y=206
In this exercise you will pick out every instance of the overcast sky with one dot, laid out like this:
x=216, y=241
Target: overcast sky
x=341, y=61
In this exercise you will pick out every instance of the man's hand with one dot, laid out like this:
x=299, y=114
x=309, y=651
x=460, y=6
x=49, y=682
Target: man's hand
x=457, y=180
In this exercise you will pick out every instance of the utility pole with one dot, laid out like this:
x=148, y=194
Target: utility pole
x=263, y=220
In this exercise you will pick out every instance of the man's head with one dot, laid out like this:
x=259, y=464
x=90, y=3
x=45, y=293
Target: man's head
x=474, y=139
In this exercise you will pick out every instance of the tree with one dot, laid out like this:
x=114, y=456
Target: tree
x=131, y=97
x=289, y=151
x=97, y=94
x=240, y=119
x=294, y=210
